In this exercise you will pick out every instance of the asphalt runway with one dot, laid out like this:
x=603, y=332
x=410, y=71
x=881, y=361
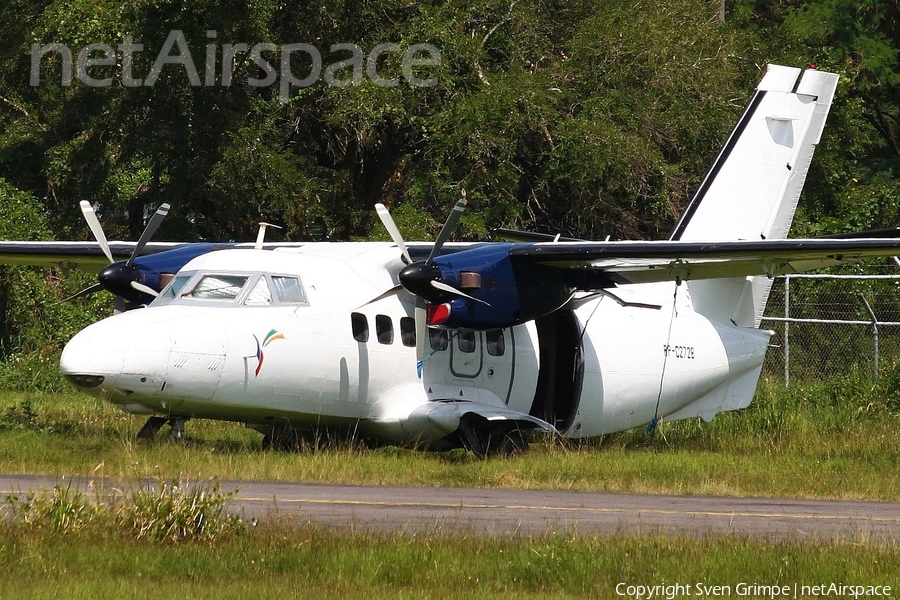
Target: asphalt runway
x=499, y=512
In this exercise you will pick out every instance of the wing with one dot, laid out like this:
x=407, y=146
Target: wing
x=645, y=262
x=86, y=256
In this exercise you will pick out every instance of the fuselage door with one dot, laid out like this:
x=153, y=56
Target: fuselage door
x=466, y=348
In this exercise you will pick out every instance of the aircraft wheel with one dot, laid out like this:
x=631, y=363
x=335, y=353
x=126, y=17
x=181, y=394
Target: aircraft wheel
x=485, y=441
x=507, y=443
x=515, y=443
x=176, y=433
x=282, y=440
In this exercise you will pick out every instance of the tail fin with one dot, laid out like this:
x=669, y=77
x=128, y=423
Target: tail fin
x=752, y=189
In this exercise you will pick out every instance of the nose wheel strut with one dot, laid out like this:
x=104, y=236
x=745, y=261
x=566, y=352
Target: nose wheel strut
x=154, y=424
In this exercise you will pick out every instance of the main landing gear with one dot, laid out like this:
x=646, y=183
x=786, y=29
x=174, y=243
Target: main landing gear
x=485, y=441
x=154, y=424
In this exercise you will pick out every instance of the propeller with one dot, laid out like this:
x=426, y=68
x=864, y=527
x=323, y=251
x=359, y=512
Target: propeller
x=422, y=278
x=122, y=278
x=443, y=287
x=96, y=228
x=419, y=313
x=389, y=224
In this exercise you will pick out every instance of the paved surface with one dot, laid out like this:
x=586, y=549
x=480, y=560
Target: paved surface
x=515, y=512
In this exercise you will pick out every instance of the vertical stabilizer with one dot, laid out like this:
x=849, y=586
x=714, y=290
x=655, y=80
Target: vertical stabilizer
x=754, y=185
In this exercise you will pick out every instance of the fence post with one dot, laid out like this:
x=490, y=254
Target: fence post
x=874, y=330
x=787, y=325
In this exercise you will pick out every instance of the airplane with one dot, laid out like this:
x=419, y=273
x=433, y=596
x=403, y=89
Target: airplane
x=482, y=345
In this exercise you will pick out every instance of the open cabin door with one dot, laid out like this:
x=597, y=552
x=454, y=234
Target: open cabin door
x=561, y=369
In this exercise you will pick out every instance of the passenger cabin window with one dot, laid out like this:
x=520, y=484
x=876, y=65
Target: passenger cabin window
x=260, y=294
x=495, y=342
x=408, y=331
x=465, y=341
x=438, y=339
x=218, y=287
x=288, y=290
x=360, y=327
x=384, y=329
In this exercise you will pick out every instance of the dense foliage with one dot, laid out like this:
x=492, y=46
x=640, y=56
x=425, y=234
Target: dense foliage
x=585, y=118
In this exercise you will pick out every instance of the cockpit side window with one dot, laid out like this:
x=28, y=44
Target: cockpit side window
x=218, y=287
x=288, y=289
x=174, y=288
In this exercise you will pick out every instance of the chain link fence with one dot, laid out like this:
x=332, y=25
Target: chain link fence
x=827, y=325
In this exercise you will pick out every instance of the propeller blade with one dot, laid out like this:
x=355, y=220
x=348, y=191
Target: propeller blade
x=447, y=229
x=144, y=289
x=391, y=227
x=149, y=230
x=94, y=223
x=394, y=290
x=86, y=291
x=440, y=285
x=421, y=334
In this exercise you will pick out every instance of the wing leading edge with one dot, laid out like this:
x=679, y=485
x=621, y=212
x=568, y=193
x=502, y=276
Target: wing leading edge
x=87, y=256
x=654, y=261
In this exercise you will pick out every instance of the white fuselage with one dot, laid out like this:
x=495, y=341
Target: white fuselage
x=265, y=354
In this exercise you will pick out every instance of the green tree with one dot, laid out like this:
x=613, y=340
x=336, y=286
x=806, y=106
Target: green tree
x=34, y=324
x=854, y=183
x=577, y=117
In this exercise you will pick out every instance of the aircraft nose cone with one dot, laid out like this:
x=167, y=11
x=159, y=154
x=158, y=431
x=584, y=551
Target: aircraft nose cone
x=93, y=359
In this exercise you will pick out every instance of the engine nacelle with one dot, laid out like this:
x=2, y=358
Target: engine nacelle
x=511, y=292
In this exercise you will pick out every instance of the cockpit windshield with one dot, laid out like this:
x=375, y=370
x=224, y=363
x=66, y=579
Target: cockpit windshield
x=254, y=289
x=218, y=287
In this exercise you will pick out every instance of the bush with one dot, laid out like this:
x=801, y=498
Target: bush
x=168, y=512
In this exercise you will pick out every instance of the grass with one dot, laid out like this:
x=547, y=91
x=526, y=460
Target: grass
x=836, y=439
x=292, y=561
x=828, y=439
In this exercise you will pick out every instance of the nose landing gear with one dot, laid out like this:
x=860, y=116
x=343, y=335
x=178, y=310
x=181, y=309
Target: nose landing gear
x=154, y=424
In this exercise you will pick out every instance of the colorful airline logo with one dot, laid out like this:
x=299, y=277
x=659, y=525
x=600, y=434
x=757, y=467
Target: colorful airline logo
x=270, y=337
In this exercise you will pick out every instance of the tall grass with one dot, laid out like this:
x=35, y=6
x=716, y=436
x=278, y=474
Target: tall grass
x=838, y=438
x=166, y=511
x=308, y=562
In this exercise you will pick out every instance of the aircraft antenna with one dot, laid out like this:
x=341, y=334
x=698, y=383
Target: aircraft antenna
x=651, y=427
x=261, y=236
